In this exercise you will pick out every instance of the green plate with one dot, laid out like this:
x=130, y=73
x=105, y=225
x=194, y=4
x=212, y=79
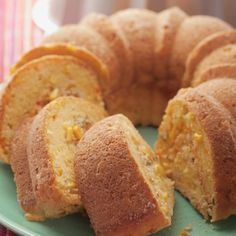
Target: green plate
x=11, y=214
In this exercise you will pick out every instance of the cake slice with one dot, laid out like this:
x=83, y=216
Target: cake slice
x=20, y=168
x=63, y=49
x=112, y=36
x=122, y=186
x=191, y=32
x=214, y=47
x=223, y=70
x=37, y=83
x=138, y=26
x=167, y=25
x=197, y=146
x=43, y=157
x=86, y=37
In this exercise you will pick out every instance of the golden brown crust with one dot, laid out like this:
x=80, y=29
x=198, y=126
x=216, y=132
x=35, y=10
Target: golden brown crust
x=216, y=72
x=203, y=49
x=130, y=60
x=105, y=27
x=41, y=170
x=117, y=198
x=186, y=39
x=65, y=50
x=20, y=167
x=168, y=22
x=3, y=152
x=138, y=26
x=224, y=92
x=213, y=103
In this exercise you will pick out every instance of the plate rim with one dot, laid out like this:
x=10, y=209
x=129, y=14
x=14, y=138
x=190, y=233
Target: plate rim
x=16, y=228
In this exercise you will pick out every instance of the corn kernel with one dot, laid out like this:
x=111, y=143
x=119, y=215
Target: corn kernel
x=71, y=185
x=197, y=137
x=72, y=132
x=54, y=94
x=69, y=134
x=165, y=196
x=72, y=48
x=159, y=169
x=59, y=172
x=189, y=116
x=77, y=131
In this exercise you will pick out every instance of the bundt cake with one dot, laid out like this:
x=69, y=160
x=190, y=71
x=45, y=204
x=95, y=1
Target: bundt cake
x=41, y=80
x=42, y=157
x=131, y=62
x=122, y=185
x=197, y=146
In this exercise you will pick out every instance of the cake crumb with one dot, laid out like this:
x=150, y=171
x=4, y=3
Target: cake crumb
x=188, y=227
x=184, y=232
x=34, y=217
